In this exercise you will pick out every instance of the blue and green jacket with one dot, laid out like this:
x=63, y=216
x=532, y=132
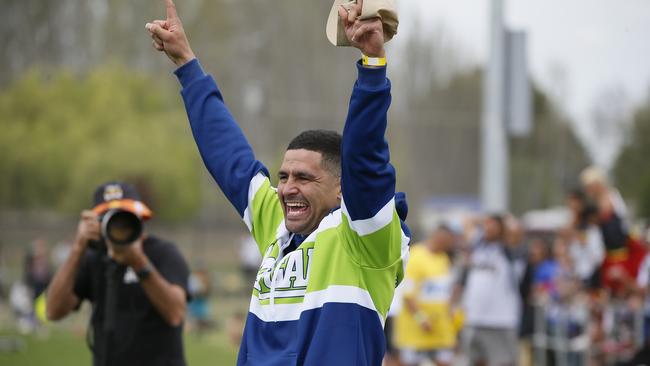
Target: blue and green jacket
x=323, y=303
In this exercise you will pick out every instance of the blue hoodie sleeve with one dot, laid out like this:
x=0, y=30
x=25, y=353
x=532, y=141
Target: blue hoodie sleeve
x=367, y=177
x=222, y=145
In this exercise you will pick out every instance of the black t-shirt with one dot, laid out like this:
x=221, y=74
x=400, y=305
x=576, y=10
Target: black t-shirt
x=139, y=335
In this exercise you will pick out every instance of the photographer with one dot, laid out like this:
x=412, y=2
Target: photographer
x=136, y=283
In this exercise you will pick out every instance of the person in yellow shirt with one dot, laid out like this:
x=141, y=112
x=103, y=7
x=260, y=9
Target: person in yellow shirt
x=425, y=328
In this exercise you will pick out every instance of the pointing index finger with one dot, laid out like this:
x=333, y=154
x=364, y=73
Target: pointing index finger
x=171, y=9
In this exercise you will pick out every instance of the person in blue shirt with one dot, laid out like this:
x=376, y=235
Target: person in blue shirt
x=332, y=234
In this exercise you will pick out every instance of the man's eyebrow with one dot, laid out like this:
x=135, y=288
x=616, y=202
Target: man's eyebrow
x=303, y=174
x=298, y=174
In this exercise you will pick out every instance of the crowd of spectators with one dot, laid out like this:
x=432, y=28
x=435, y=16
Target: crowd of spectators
x=496, y=292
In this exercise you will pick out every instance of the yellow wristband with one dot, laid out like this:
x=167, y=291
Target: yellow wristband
x=373, y=61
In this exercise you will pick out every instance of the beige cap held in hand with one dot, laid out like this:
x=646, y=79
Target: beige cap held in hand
x=383, y=9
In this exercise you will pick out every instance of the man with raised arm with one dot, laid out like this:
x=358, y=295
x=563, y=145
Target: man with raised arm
x=331, y=234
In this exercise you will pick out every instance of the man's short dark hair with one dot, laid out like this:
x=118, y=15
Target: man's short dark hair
x=325, y=142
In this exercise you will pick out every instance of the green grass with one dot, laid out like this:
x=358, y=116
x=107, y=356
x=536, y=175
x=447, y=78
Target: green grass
x=64, y=344
x=63, y=347
x=59, y=348
x=210, y=349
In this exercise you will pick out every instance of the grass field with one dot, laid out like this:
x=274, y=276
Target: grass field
x=63, y=347
x=64, y=343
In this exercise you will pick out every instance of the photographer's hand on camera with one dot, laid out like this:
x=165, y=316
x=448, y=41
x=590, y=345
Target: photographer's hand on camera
x=87, y=229
x=131, y=255
x=61, y=299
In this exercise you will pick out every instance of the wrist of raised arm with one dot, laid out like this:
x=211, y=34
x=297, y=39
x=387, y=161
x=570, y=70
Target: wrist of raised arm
x=189, y=72
x=180, y=61
x=375, y=53
x=371, y=77
x=370, y=61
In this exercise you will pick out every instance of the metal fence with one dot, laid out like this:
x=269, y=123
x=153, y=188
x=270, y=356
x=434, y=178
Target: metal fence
x=583, y=333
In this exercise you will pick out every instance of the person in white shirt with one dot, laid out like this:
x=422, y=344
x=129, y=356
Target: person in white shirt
x=491, y=299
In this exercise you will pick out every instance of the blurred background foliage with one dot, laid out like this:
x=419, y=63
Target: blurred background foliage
x=279, y=76
x=632, y=168
x=84, y=98
x=65, y=134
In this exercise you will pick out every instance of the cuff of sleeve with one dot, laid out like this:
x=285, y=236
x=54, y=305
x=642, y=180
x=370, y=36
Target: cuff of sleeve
x=189, y=72
x=372, y=77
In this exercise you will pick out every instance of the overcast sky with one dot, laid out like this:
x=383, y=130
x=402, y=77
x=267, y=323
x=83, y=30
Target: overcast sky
x=577, y=48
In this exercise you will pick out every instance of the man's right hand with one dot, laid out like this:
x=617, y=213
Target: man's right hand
x=88, y=229
x=366, y=35
x=169, y=37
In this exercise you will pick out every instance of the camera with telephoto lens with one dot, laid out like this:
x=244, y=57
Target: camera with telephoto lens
x=118, y=226
x=121, y=227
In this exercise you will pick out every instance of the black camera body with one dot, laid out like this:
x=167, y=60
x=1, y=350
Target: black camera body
x=120, y=227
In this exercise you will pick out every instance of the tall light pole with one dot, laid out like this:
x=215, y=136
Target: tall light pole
x=494, y=142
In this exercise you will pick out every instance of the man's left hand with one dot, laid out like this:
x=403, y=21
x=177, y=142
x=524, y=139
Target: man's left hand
x=366, y=35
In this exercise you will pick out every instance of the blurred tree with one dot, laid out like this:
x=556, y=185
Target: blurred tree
x=438, y=113
x=545, y=165
x=279, y=76
x=631, y=168
x=610, y=120
x=63, y=135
